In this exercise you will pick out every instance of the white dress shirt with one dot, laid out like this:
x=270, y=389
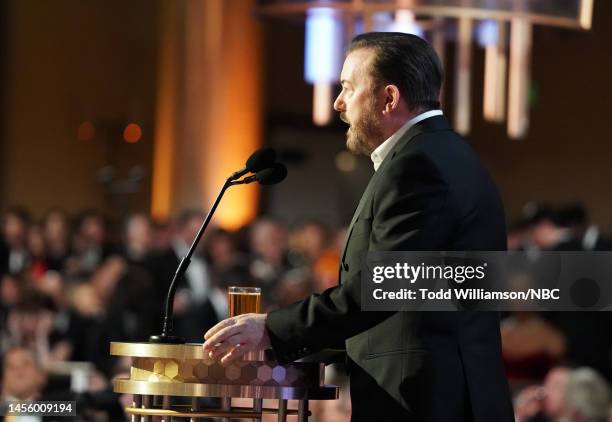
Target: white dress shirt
x=379, y=154
x=198, y=280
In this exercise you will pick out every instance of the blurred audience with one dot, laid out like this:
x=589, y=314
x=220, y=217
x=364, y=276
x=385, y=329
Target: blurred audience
x=196, y=298
x=68, y=286
x=587, y=336
x=567, y=395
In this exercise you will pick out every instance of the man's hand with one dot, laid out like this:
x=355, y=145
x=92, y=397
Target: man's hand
x=231, y=338
x=528, y=403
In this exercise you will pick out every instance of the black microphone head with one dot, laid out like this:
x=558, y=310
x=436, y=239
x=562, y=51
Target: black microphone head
x=261, y=159
x=272, y=175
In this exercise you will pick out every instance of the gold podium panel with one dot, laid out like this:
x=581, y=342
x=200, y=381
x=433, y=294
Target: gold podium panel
x=160, y=372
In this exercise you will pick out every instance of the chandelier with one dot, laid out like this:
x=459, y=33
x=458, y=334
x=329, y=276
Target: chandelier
x=503, y=28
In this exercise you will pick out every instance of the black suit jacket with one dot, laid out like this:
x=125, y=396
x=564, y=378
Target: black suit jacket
x=430, y=193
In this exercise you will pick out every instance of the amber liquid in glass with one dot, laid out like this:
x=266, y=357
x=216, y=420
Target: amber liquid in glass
x=243, y=303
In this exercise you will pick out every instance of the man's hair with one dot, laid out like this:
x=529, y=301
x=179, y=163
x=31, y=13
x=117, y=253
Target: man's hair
x=588, y=395
x=13, y=348
x=406, y=61
x=20, y=213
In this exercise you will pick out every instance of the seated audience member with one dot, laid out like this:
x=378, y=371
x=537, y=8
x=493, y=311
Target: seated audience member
x=137, y=238
x=37, y=250
x=587, y=396
x=31, y=324
x=268, y=241
x=90, y=245
x=23, y=377
x=518, y=235
x=222, y=252
x=10, y=294
x=563, y=228
x=546, y=231
x=228, y=263
x=197, y=305
x=295, y=285
x=544, y=403
x=310, y=239
x=56, y=231
x=132, y=312
x=106, y=276
x=161, y=236
x=126, y=285
x=531, y=346
x=14, y=255
x=585, y=236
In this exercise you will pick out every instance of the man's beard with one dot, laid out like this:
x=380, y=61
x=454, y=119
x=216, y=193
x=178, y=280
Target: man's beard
x=364, y=135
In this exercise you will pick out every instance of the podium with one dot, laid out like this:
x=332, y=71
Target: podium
x=163, y=374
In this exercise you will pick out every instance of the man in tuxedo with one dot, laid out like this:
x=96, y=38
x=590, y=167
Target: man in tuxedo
x=429, y=191
x=196, y=299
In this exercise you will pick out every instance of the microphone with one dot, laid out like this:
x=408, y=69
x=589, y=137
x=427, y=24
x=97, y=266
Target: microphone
x=261, y=159
x=269, y=176
x=267, y=172
x=272, y=175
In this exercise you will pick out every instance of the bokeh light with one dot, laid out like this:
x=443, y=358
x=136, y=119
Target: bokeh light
x=132, y=133
x=86, y=131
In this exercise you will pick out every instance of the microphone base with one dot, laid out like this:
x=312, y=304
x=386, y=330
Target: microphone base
x=166, y=339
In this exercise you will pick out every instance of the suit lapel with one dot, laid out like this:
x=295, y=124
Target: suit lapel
x=364, y=198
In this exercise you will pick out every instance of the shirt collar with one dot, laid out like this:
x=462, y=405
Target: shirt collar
x=379, y=154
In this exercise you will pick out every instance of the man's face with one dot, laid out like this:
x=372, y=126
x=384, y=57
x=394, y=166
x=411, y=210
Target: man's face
x=555, y=386
x=138, y=234
x=190, y=229
x=359, y=104
x=22, y=377
x=269, y=240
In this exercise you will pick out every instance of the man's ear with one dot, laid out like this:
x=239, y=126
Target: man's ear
x=392, y=98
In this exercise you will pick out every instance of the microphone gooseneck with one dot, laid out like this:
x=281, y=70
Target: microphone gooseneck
x=267, y=172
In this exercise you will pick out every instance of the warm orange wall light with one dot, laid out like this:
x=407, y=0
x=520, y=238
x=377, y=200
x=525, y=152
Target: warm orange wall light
x=236, y=128
x=218, y=123
x=165, y=115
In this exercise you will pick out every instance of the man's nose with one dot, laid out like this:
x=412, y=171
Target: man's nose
x=339, y=104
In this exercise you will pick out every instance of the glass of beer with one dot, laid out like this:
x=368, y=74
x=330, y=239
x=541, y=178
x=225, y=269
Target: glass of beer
x=243, y=300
